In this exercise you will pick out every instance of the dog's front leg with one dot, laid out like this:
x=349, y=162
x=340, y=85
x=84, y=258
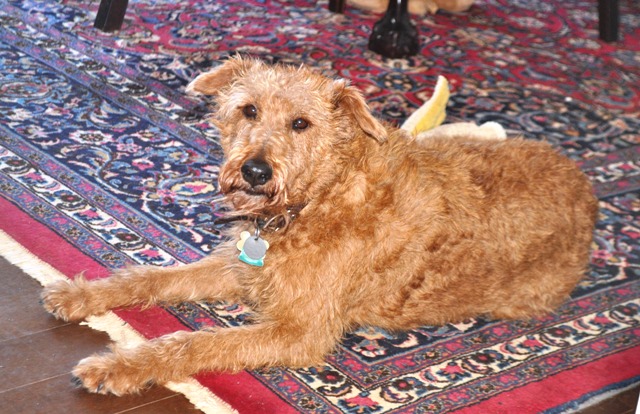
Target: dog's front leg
x=213, y=277
x=176, y=356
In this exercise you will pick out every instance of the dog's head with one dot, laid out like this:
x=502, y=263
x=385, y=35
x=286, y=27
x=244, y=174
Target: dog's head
x=281, y=128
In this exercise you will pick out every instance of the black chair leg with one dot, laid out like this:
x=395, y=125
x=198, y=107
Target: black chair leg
x=608, y=19
x=110, y=15
x=337, y=5
x=395, y=36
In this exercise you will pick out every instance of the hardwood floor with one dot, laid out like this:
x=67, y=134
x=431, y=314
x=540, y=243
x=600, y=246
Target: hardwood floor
x=37, y=353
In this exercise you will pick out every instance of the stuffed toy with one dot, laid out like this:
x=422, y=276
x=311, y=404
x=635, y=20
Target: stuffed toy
x=420, y=7
x=427, y=121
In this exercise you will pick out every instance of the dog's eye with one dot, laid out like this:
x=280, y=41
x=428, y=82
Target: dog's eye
x=300, y=124
x=250, y=111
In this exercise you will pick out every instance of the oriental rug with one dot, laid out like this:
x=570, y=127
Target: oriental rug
x=104, y=162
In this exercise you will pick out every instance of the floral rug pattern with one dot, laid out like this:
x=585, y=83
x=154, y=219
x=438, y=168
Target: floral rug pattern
x=99, y=143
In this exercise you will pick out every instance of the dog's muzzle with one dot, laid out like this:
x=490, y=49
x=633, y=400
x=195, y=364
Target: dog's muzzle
x=256, y=172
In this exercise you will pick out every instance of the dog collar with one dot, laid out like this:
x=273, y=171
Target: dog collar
x=280, y=221
x=273, y=223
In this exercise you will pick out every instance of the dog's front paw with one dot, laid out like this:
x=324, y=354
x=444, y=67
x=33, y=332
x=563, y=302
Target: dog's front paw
x=109, y=374
x=67, y=300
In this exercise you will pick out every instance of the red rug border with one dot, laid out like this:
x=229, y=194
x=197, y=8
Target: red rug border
x=623, y=366
x=253, y=396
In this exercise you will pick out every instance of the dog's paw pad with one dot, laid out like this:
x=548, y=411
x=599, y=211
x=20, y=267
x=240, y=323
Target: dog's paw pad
x=108, y=374
x=65, y=300
x=57, y=298
x=99, y=374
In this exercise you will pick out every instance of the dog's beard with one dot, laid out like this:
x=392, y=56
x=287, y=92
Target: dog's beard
x=265, y=200
x=250, y=202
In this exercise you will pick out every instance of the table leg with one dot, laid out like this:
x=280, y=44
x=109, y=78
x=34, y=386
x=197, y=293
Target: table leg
x=337, y=5
x=110, y=15
x=395, y=36
x=608, y=20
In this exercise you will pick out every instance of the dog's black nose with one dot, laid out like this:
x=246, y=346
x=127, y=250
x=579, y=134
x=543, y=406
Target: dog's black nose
x=256, y=172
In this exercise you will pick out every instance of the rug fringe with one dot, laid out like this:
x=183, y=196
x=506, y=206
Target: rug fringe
x=19, y=256
x=201, y=397
x=117, y=329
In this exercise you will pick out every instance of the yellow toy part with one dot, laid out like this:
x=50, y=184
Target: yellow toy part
x=432, y=113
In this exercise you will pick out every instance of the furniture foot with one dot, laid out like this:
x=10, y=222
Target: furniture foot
x=110, y=15
x=337, y=6
x=394, y=36
x=608, y=19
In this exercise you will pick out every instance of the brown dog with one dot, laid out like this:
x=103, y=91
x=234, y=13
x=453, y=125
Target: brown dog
x=364, y=226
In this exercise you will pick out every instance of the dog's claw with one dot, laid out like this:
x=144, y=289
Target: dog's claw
x=66, y=300
x=107, y=374
x=76, y=382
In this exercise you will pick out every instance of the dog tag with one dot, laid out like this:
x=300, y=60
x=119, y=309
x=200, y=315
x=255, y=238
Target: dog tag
x=252, y=249
x=255, y=248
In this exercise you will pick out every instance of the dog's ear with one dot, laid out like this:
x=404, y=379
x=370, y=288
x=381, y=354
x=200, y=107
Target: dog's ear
x=351, y=100
x=211, y=82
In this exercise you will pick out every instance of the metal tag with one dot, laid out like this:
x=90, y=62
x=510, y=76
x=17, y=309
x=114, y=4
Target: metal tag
x=252, y=248
x=255, y=247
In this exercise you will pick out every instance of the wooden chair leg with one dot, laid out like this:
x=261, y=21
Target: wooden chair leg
x=608, y=19
x=110, y=15
x=337, y=5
